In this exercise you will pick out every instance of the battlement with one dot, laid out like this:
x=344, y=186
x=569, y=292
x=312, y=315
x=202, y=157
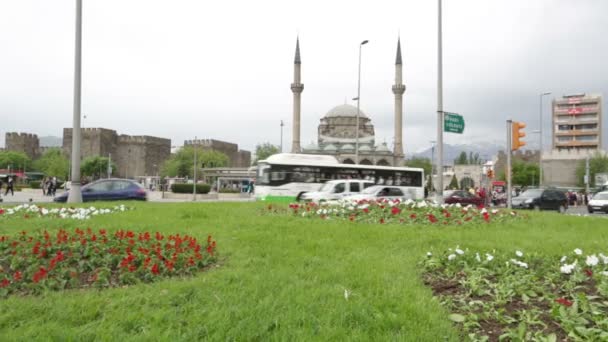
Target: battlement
x=142, y=139
x=13, y=135
x=211, y=143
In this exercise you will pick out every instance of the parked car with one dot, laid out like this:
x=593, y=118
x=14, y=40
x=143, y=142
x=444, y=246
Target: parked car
x=384, y=192
x=113, y=189
x=599, y=202
x=463, y=197
x=336, y=189
x=541, y=199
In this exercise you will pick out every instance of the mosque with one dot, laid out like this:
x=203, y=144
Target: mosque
x=337, y=131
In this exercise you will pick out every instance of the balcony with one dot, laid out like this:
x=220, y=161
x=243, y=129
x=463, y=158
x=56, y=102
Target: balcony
x=574, y=143
x=577, y=132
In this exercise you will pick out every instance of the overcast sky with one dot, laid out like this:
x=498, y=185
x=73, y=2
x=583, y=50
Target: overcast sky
x=222, y=69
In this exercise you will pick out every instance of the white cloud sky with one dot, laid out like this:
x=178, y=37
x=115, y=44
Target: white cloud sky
x=222, y=70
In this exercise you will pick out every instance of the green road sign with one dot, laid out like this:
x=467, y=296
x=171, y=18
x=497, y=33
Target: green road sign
x=453, y=123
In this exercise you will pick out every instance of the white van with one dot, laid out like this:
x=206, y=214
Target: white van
x=336, y=189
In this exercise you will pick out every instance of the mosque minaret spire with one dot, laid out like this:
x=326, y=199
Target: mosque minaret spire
x=398, y=90
x=296, y=88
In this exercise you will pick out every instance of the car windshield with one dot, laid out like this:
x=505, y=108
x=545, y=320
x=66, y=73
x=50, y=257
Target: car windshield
x=531, y=193
x=371, y=190
x=601, y=196
x=326, y=187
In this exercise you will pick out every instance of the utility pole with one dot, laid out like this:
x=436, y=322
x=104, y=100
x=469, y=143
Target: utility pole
x=75, y=194
x=509, y=137
x=194, y=172
x=587, y=180
x=439, y=107
x=282, y=136
x=109, y=165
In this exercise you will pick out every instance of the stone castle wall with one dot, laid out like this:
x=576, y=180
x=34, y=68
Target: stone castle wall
x=133, y=155
x=23, y=142
x=236, y=157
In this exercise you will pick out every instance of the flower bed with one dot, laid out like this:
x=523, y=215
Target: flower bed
x=32, y=210
x=515, y=296
x=31, y=263
x=408, y=212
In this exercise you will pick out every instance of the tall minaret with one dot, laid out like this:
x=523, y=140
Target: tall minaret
x=398, y=90
x=296, y=88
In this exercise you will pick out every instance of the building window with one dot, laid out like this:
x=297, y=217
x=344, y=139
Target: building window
x=586, y=138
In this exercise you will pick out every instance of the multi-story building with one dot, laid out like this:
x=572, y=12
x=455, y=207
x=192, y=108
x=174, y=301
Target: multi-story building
x=577, y=122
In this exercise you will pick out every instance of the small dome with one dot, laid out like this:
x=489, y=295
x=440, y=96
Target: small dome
x=311, y=147
x=365, y=148
x=345, y=110
x=382, y=148
x=330, y=147
x=348, y=147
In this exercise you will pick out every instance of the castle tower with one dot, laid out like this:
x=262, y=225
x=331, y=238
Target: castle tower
x=398, y=90
x=296, y=88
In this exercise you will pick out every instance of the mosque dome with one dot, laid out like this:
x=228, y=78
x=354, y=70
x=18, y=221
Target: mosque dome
x=364, y=148
x=345, y=110
x=382, y=148
x=330, y=148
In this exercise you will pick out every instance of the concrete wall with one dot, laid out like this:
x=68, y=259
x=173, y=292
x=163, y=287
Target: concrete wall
x=23, y=142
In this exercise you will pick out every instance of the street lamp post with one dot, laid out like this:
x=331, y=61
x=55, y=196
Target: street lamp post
x=358, y=108
x=282, y=136
x=439, y=105
x=75, y=195
x=194, y=172
x=540, y=151
x=432, y=163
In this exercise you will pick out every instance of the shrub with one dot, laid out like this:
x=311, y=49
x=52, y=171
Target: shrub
x=35, y=184
x=181, y=188
x=229, y=191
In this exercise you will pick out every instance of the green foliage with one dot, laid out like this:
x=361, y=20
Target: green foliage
x=53, y=163
x=597, y=164
x=96, y=167
x=265, y=150
x=524, y=173
x=35, y=184
x=181, y=188
x=423, y=163
x=472, y=159
x=453, y=183
x=181, y=163
x=429, y=184
x=16, y=160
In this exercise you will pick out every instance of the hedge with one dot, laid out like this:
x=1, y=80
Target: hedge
x=187, y=188
x=229, y=191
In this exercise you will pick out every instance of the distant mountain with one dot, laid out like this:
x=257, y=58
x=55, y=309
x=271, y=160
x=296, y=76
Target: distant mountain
x=51, y=141
x=450, y=152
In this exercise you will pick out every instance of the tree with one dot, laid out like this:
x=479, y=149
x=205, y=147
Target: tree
x=429, y=184
x=423, y=163
x=53, y=163
x=524, y=173
x=181, y=164
x=597, y=164
x=14, y=160
x=96, y=167
x=265, y=150
x=462, y=159
x=453, y=183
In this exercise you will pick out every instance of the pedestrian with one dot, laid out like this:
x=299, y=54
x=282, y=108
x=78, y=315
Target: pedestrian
x=9, y=186
x=54, y=186
x=43, y=185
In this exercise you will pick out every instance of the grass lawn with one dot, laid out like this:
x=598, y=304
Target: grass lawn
x=280, y=277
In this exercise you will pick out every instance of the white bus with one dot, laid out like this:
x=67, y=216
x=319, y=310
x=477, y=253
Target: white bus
x=286, y=176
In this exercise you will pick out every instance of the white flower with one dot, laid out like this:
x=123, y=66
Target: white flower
x=494, y=211
x=489, y=257
x=458, y=205
x=519, y=263
x=578, y=251
x=483, y=211
x=477, y=257
x=451, y=256
x=519, y=253
x=604, y=258
x=592, y=260
x=429, y=254
x=604, y=273
x=346, y=294
x=459, y=251
x=563, y=259
x=567, y=268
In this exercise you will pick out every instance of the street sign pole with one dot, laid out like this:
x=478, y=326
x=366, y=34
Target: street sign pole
x=439, y=107
x=509, y=127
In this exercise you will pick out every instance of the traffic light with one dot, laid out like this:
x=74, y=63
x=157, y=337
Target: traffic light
x=516, y=135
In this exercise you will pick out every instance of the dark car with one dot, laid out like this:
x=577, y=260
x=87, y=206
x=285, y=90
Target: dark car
x=541, y=199
x=109, y=190
x=463, y=197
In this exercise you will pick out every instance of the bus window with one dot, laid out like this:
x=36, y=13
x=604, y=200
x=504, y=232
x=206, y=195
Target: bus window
x=354, y=187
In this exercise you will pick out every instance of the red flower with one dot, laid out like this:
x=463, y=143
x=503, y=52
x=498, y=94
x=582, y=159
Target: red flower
x=102, y=231
x=395, y=211
x=589, y=272
x=5, y=282
x=486, y=217
x=155, y=269
x=352, y=218
x=432, y=218
x=563, y=301
x=17, y=276
x=366, y=210
x=42, y=272
x=1, y=211
x=413, y=216
x=382, y=221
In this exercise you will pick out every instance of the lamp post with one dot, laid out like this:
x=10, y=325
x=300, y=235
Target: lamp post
x=540, y=151
x=75, y=195
x=439, y=105
x=432, y=163
x=282, y=136
x=194, y=172
x=358, y=108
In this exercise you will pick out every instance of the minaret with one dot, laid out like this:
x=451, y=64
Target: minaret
x=296, y=88
x=398, y=90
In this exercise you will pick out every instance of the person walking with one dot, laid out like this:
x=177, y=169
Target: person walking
x=53, y=186
x=9, y=187
x=43, y=186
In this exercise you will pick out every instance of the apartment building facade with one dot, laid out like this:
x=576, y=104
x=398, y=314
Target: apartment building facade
x=577, y=123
